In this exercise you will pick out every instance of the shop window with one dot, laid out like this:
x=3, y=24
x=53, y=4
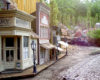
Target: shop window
x=2, y=54
x=18, y=48
x=26, y=48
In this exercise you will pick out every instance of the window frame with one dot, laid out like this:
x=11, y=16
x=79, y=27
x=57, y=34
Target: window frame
x=2, y=49
x=26, y=47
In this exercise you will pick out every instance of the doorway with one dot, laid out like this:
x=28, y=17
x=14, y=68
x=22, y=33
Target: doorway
x=9, y=53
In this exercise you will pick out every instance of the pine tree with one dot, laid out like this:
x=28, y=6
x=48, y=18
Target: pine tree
x=68, y=21
x=53, y=13
x=96, y=18
x=64, y=19
x=59, y=17
x=73, y=21
x=88, y=18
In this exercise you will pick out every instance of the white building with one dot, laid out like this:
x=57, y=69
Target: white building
x=15, y=40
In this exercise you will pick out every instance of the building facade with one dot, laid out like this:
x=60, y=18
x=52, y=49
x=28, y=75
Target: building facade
x=43, y=30
x=15, y=39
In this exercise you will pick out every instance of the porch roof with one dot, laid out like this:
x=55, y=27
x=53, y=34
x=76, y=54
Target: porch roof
x=34, y=35
x=60, y=49
x=47, y=46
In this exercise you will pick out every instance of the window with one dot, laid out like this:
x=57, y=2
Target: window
x=44, y=32
x=18, y=48
x=42, y=53
x=26, y=48
x=9, y=42
x=2, y=54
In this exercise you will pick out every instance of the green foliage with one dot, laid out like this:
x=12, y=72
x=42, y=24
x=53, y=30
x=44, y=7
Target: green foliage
x=96, y=18
x=41, y=0
x=95, y=52
x=68, y=21
x=59, y=16
x=73, y=21
x=0, y=6
x=64, y=19
x=94, y=34
x=88, y=18
x=53, y=13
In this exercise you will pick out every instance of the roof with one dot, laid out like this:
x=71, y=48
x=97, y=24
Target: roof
x=47, y=46
x=34, y=35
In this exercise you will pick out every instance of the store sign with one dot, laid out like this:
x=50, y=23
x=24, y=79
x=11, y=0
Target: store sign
x=22, y=23
x=18, y=64
x=5, y=22
x=44, y=20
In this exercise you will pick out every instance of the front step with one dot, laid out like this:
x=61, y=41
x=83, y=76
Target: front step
x=11, y=71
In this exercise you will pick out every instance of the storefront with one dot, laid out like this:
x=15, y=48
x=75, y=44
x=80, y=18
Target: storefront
x=15, y=40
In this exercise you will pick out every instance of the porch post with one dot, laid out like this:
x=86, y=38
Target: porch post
x=29, y=47
x=21, y=51
x=0, y=54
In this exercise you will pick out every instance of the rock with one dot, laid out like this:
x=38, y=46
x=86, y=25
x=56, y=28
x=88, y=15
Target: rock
x=13, y=4
x=64, y=79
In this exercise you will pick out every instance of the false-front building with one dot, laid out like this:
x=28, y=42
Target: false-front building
x=15, y=40
x=42, y=29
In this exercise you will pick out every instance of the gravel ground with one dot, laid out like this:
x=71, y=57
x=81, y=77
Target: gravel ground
x=76, y=55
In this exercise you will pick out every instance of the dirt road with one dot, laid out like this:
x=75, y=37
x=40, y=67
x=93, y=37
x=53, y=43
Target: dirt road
x=76, y=54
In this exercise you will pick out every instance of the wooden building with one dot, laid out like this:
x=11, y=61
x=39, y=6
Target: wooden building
x=42, y=29
x=16, y=36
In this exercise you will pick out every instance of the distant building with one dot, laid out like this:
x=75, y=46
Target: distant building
x=97, y=25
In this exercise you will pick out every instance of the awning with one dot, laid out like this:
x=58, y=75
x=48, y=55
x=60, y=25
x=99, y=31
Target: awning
x=47, y=46
x=60, y=49
x=34, y=35
x=63, y=43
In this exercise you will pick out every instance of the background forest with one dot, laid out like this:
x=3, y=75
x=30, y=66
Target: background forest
x=82, y=13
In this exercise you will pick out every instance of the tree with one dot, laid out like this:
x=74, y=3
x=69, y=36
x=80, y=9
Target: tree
x=88, y=18
x=41, y=0
x=96, y=18
x=0, y=6
x=53, y=13
x=64, y=19
x=59, y=16
x=73, y=21
x=68, y=21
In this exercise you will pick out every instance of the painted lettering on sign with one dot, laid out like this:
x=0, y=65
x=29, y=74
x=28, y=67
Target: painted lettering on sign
x=2, y=21
x=22, y=23
x=5, y=22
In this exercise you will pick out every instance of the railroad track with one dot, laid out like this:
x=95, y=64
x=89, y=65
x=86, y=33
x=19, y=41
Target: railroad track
x=76, y=73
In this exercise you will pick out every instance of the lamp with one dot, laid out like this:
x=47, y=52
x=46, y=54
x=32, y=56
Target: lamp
x=8, y=3
x=33, y=46
x=57, y=44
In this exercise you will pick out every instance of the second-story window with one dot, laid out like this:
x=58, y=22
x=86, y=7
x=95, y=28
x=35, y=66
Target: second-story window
x=44, y=32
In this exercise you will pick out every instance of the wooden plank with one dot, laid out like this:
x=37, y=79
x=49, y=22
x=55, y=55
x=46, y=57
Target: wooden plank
x=28, y=6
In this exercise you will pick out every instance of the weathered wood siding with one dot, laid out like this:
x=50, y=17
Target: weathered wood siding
x=28, y=6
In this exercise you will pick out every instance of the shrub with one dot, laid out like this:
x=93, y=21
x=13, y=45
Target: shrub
x=95, y=34
x=95, y=52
